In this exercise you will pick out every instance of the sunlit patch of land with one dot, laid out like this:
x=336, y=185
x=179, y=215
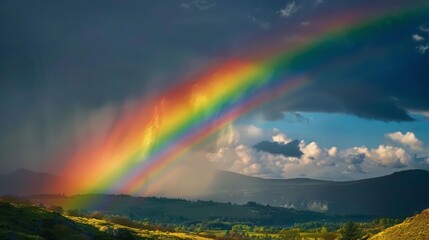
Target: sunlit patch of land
x=19, y=219
x=416, y=227
x=133, y=230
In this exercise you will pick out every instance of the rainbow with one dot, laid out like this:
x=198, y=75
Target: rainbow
x=151, y=137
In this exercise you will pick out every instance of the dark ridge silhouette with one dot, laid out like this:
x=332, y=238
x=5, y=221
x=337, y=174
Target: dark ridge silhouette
x=400, y=194
x=26, y=182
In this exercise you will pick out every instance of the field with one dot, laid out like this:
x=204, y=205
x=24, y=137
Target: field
x=19, y=219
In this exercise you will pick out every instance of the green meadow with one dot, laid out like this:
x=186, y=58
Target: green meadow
x=22, y=220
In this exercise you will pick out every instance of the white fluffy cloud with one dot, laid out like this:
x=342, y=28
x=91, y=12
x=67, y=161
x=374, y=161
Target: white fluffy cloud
x=407, y=139
x=333, y=151
x=241, y=134
x=311, y=152
x=417, y=38
x=281, y=138
x=389, y=156
x=246, y=160
x=315, y=161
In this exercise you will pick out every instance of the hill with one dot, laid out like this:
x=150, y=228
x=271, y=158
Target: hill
x=27, y=222
x=398, y=195
x=30, y=222
x=416, y=227
x=26, y=182
x=179, y=211
x=19, y=220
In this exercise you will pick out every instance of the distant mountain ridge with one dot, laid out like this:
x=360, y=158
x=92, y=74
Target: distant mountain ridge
x=26, y=182
x=400, y=194
x=167, y=210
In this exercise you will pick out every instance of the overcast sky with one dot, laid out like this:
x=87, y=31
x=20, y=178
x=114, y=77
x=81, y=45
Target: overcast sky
x=68, y=69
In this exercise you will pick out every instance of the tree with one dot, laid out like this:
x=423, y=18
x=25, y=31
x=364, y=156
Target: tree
x=351, y=231
x=324, y=229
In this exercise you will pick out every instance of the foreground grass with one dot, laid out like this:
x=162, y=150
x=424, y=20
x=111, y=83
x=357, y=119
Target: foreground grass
x=31, y=222
x=27, y=222
x=257, y=235
x=24, y=221
x=324, y=236
x=109, y=227
x=18, y=221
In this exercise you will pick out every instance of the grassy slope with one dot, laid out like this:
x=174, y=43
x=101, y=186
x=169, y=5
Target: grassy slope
x=31, y=222
x=106, y=226
x=416, y=228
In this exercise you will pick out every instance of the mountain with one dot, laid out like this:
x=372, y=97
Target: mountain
x=26, y=182
x=400, y=194
x=416, y=227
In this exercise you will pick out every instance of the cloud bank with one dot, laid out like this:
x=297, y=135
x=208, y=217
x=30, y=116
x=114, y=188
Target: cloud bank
x=279, y=158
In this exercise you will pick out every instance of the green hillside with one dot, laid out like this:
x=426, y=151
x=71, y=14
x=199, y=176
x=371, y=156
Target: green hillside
x=20, y=220
x=31, y=222
x=413, y=228
x=25, y=222
x=179, y=211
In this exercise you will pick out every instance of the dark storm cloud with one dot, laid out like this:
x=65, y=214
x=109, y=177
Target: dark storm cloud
x=295, y=117
x=63, y=64
x=378, y=74
x=290, y=149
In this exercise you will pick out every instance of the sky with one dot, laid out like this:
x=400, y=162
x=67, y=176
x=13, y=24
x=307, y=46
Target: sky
x=70, y=71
